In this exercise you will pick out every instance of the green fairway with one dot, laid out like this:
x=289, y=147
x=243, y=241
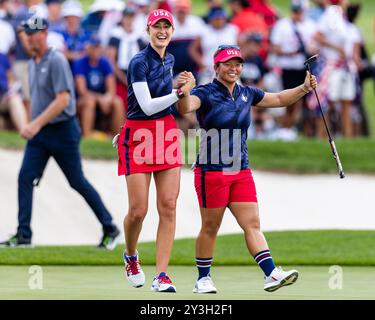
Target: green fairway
x=232, y=283
x=320, y=247
x=302, y=156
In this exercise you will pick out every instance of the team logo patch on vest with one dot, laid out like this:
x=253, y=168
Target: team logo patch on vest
x=244, y=98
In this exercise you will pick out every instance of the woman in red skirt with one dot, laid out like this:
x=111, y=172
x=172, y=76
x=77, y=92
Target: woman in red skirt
x=149, y=143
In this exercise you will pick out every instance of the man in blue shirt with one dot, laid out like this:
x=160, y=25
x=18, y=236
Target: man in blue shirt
x=96, y=88
x=53, y=132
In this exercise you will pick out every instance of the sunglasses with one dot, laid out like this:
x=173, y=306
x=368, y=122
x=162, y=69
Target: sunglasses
x=225, y=46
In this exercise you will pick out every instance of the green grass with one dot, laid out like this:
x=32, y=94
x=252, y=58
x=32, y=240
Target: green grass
x=312, y=156
x=354, y=248
x=302, y=156
x=233, y=283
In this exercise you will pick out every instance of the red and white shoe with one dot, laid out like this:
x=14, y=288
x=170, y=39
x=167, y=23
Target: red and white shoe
x=162, y=283
x=134, y=272
x=279, y=278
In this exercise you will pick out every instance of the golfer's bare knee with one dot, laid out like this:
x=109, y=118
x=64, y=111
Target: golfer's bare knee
x=167, y=209
x=167, y=203
x=136, y=214
x=210, y=228
x=252, y=224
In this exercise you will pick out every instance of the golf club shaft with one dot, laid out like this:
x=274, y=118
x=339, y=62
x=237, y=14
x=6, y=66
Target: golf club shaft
x=337, y=158
x=331, y=142
x=321, y=112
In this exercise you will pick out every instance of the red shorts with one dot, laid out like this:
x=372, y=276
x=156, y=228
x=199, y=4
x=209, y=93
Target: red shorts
x=149, y=145
x=216, y=190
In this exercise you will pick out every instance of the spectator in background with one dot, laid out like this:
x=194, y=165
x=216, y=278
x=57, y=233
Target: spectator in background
x=13, y=6
x=55, y=20
x=56, y=24
x=6, y=13
x=143, y=8
x=253, y=69
x=103, y=16
x=316, y=12
x=212, y=4
x=111, y=20
x=10, y=99
x=337, y=86
x=253, y=72
x=365, y=68
x=124, y=43
x=266, y=10
x=164, y=5
x=355, y=65
x=96, y=87
x=248, y=21
x=92, y=21
x=188, y=28
x=291, y=41
x=74, y=35
x=202, y=50
x=8, y=37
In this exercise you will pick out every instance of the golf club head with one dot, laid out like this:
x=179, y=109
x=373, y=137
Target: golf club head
x=310, y=61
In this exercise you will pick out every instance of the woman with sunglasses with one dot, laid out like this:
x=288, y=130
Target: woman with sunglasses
x=223, y=177
x=148, y=144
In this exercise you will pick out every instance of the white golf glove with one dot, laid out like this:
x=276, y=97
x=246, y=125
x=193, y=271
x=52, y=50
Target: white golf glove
x=115, y=141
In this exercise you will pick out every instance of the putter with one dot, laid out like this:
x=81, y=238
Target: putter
x=308, y=64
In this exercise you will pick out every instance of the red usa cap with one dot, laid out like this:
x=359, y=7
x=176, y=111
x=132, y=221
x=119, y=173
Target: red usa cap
x=227, y=54
x=158, y=15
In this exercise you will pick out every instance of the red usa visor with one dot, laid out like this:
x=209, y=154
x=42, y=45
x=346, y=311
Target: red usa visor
x=227, y=54
x=158, y=15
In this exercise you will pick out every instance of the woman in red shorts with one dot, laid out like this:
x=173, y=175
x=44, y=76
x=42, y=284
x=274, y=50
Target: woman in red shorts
x=223, y=176
x=149, y=143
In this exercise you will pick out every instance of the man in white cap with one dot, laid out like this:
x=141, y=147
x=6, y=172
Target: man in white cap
x=74, y=36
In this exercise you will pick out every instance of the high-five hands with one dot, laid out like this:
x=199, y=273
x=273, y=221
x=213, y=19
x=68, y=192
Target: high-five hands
x=186, y=82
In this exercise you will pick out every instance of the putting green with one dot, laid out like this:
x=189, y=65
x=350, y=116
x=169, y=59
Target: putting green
x=108, y=282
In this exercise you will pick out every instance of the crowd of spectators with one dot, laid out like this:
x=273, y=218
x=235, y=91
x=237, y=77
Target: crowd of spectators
x=100, y=43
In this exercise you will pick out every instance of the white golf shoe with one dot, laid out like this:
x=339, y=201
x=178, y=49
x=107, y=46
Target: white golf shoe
x=279, y=278
x=204, y=285
x=162, y=283
x=134, y=273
